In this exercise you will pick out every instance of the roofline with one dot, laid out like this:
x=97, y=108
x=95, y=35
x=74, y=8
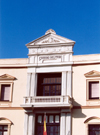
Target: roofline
x=48, y=35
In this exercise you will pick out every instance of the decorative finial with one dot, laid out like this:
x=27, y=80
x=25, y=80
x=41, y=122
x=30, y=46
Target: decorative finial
x=50, y=31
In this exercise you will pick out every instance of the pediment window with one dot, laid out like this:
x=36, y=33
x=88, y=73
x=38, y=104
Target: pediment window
x=93, y=85
x=6, y=87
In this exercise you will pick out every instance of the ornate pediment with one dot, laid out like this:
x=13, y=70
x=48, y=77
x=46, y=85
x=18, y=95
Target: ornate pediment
x=6, y=77
x=92, y=73
x=50, y=37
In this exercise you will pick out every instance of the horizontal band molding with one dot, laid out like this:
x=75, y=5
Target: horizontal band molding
x=11, y=108
x=85, y=107
x=6, y=67
x=81, y=64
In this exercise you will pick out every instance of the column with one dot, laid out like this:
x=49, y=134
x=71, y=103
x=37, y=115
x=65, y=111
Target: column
x=33, y=84
x=68, y=124
x=64, y=83
x=69, y=83
x=31, y=125
x=28, y=84
x=63, y=124
x=26, y=124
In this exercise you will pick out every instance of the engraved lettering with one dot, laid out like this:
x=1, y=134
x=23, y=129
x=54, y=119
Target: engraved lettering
x=50, y=57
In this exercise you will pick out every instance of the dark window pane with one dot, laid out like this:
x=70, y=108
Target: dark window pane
x=52, y=127
x=49, y=84
x=94, y=129
x=3, y=129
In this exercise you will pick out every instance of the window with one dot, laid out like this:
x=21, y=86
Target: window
x=5, y=126
x=94, y=90
x=94, y=129
x=6, y=85
x=5, y=91
x=52, y=124
x=49, y=84
x=3, y=129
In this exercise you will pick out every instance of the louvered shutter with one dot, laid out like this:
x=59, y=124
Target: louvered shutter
x=94, y=90
x=5, y=92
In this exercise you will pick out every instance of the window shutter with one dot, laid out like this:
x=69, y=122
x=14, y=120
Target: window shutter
x=5, y=92
x=94, y=90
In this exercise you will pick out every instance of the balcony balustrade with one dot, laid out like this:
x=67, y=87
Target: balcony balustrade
x=48, y=101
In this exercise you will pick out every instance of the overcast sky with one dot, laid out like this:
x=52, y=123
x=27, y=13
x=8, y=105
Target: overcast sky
x=22, y=21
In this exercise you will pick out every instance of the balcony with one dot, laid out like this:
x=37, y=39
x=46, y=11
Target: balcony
x=48, y=101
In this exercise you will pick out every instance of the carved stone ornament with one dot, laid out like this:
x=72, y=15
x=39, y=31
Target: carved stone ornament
x=51, y=40
x=92, y=73
x=50, y=31
x=6, y=76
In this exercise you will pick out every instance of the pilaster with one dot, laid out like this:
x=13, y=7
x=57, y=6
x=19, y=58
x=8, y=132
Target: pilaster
x=62, y=124
x=29, y=124
x=68, y=123
x=64, y=83
x=28, y=84
x=33, y=84
x=69, y=83
x=26, y=124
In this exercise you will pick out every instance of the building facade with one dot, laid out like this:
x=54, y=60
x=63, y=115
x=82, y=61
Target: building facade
x=50, y=81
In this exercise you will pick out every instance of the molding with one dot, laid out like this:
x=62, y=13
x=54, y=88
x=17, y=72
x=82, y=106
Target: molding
x=51, y=51
x=7, y=77
x=13, y=66
x=11, y=108
x=69, y=63
x=50, y=38
x=85, y=107
x=92, y=73
x=3, y=118
x=91, y=118
x=85, y=63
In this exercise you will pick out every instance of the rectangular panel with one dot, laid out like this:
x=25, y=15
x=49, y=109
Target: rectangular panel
x=51, y=119
x=39, y=119
x=57, y=119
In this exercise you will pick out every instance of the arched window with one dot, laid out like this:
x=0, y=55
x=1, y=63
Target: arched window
x=5, y=126
x=93, y=125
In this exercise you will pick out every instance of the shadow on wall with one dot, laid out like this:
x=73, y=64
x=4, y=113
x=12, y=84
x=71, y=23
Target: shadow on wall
x=77, y=110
